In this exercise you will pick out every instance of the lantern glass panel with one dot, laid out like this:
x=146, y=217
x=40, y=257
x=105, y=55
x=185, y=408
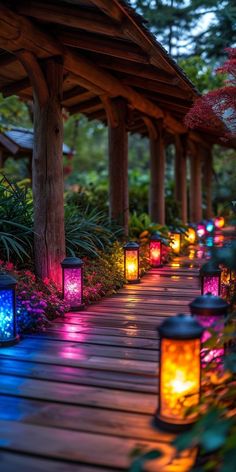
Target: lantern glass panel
x=175, y=242
x=155, y=253
x=73, y=285
x=131, y=265
x=7, y=317
x=211, y=284
x=191, y=235
x=179, y=379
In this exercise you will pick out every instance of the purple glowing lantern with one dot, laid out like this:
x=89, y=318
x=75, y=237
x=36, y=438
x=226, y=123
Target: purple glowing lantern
x=210, y=274
x=210, y=312
x=8, y=330
x=72, y=279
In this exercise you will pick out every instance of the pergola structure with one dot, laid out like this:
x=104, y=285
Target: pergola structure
x=96, y=57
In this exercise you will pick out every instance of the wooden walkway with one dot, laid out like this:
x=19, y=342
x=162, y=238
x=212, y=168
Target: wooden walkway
x=81, y=396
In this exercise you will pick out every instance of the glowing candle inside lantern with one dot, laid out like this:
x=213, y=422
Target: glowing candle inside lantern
x=175, y=242
x=210, y=311
x=210, y=278
x=191, y=235
x=179, y=381
x=131, y=262
x=8, y=334
x=219, y=222
x=73, y=282
x=155, y=248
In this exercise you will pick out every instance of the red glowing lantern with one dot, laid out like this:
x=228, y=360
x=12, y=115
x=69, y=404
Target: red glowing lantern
x=72, y=279
x=131, y=262
x=155, y=250
x=210, y=274
x=210, y=312
x=180, y=372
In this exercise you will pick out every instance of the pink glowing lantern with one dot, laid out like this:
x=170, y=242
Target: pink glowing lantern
x=210, y=274
x=210, y=312
x=155, y=250
x=201, y=230
x=219, y=222
x=72, y=279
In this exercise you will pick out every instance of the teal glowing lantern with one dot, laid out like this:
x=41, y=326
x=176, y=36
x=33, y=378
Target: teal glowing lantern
x=8, y=330
x=72, y=280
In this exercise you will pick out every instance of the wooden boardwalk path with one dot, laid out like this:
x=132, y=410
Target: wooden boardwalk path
x=80, y=397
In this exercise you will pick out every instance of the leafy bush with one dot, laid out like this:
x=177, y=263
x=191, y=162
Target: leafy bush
x=16, y=227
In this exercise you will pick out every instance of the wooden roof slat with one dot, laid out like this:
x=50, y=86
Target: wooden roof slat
x=120, y=49
x=154, y=86
x=86, y=20
x=15, y=88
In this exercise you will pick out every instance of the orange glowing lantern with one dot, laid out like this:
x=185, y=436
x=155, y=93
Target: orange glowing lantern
x=131, y=262
x=175, y=241
x=155, y=250
x=219, y=222
x=72, y=279
x=191, y=235
x=180, y=372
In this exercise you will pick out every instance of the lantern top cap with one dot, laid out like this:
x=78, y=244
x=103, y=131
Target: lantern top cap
x=131, y=245
x=155, y=236
x=181, y=326
x=210, y=268
x=209, y=304
x=71, y=262
x=7, y=281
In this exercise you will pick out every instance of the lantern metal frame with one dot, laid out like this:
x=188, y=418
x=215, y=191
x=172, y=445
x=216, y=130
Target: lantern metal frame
x=132, y=246
x=181, y=327
x=210, y=269
x=7, y=282
x=73, y=263
x=156, y=237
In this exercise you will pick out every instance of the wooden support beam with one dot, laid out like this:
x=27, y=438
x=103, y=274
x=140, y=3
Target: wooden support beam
x=18, y=33
x=88, y=42
x=48, y=181
x=86, y=20
x=180, y=176
x=90, y=105
x=111, y=112
x=118, y=167
x=157, y=178
x=6, y=59
x=74, y=92
x=161, y=88
x=195, y=189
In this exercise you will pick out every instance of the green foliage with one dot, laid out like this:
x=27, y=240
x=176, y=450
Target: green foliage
x=201, y=73
x=14, y=112
x=16, y=229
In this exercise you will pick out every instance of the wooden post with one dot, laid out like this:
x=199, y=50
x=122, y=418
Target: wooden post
x=47, y=165
x=118, y=165
x=180, y=176
x=195, y=185
x=157, y=177
x=208, y=182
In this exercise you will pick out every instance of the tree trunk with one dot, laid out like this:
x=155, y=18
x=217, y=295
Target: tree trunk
x=157, y=180
x=48, y=182
x=118, y=167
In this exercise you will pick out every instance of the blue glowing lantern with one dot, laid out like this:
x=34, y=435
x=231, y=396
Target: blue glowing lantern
x=8, y=333
x=210, y=226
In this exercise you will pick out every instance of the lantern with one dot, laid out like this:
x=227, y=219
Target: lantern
x=180, y=369
x=8, y=332
x=155, y=250
x=210, y=226
x=210, y=312
x=175, y=242
x=219, y=222
x=210, y=274
x=131, y=262
x=72, y=279
x=201, y=231
x=191, y=235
